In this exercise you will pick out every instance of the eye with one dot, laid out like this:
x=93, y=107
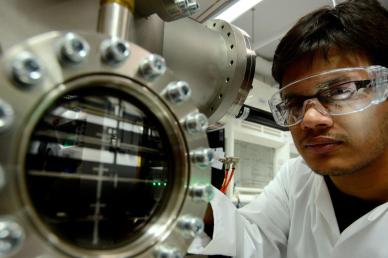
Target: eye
x=341, y=91
x=293, y=105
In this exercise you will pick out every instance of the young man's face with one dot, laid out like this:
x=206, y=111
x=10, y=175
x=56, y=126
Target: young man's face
x=345, y=144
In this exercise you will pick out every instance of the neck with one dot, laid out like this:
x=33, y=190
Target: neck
x=368, y=183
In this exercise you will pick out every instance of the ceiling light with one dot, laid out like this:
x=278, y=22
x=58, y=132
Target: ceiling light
x=237, y=9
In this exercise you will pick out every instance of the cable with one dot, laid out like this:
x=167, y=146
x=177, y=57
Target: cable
x=225, y=178
x=228, y=182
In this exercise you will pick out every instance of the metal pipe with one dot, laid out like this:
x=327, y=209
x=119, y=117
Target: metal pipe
x=217, y=61
x=115, y=18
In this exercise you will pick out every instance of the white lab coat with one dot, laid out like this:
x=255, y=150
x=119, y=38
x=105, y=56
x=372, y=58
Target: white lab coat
x=293, y=218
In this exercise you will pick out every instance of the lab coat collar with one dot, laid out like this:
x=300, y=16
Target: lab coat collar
x=325, y=207
x=324, y=204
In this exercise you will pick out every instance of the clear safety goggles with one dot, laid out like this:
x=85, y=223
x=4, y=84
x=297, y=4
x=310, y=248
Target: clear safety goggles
x=335, y=92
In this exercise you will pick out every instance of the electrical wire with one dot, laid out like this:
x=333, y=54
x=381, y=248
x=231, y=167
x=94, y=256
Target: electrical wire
x=225, y=178
x=228, y=182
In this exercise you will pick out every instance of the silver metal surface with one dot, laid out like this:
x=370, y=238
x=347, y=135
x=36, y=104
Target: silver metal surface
x=11, y=237
x=115, y=51
x=27, y=69
x=178, y=91
x=196, y=122
x=202, y=157
x=223, y=82
x=202, y=192
x=190, y=226
x=168, y=10
x=73, y=49
x=149, y=33
x=192, y=7
x=7, y=115
x=115, y=20
x=152, y=67
x=61, y=80
x=23, y=19
x=167, y=252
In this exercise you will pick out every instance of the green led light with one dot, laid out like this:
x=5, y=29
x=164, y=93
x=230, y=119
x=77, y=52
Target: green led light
x=159, y=183
x=165, y=183
x=154, y=184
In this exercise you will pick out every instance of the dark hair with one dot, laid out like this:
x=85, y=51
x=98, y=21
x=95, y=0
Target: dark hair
x=355, y=25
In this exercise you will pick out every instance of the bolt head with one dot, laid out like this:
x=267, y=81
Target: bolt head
x=74, y=49
x=7, y=115
x=192, y=7
x=178, y=92
x=202, y=192
x=152, y=67
x=115, y=51
x=196, y=123
x=167, y=252
x=27, y=70
x=202, y=157
x=181, y=4
x=11, y=237
x=190, y=226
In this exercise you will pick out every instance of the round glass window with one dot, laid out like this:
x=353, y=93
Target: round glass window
x=98, y=168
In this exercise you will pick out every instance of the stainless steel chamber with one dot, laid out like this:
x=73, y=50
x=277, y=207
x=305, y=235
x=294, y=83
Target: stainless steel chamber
x=103, y=134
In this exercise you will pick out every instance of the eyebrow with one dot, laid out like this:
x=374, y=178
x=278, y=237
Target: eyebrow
x=322, y=86
x=326, y=84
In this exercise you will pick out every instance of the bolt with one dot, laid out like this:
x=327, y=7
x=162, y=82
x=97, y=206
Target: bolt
x=115, y=51
x=202, y=192
x=27, y=70
x=196, y=123
x=167, y=252
x=192, y=7
x=11, y=237
x=190, y=226
x=7, y=115
x=152, y=67
x=202, y=157
x=178, y=91
x=74, y=49
x=181, y=4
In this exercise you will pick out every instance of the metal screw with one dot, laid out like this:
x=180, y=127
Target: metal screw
x=74, y=49
x=115, y=51
x=202, y=157
x=190, y=226
x=181, y=4
x=192, y=7
x=167, y=252
x=7, y=115
x=196, y=122
x=152, y=67
x=178, y=91
x=27, y=70
x=202, y=192
x=11, y=237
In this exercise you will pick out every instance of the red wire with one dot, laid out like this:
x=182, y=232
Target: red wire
x=228, y=182
x=225, y=179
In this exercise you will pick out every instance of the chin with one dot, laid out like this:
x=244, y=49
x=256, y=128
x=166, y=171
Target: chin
x=332, y=167
x=334, y=171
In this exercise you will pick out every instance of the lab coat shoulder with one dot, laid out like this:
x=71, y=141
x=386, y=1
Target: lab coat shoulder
x=271, y=211
x=259, y=229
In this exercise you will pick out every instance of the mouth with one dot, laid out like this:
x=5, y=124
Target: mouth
x=321, y=144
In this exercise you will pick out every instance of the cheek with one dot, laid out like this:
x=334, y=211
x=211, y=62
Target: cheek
x=363, y=127
x=297, y=135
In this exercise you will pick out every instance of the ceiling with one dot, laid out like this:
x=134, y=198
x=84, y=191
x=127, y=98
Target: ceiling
x=268, y=21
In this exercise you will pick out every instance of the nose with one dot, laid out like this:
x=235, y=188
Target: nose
x=316, y=117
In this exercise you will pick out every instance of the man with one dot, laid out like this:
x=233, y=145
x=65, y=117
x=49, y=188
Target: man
x=333, y=203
